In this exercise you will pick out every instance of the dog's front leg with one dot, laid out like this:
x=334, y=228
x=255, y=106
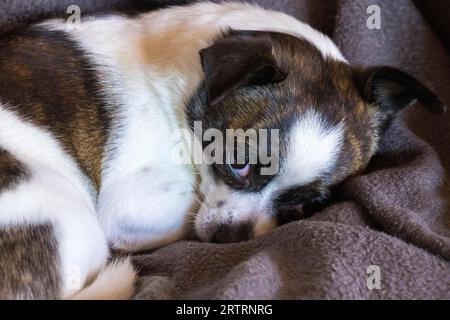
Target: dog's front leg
x=148, y=208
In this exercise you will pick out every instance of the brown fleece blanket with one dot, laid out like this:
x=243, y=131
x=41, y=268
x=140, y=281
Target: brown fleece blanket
x=395, y=216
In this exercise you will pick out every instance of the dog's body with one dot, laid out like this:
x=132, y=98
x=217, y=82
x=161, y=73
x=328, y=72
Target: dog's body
x=87, y=116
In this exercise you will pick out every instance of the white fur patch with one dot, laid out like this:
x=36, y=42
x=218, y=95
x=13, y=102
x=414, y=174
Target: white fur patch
x=313, y=149
x=244, y=16
x=56, y=192
x=115, y=282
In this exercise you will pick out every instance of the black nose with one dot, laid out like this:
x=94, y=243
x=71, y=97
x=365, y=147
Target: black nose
x=232, y=233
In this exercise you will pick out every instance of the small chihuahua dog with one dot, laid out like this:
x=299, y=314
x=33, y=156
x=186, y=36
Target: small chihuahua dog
x=87, y=120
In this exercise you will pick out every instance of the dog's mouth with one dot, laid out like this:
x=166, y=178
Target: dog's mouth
x=209, y=228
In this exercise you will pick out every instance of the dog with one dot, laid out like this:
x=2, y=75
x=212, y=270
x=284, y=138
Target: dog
x=87, y=121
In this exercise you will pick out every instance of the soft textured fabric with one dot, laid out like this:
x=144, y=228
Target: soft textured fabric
x=395, y=216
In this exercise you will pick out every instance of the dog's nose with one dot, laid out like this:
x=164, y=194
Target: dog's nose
x=232, y=233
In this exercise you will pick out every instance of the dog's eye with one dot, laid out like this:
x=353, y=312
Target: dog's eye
x=242, y=170
x=240, y=166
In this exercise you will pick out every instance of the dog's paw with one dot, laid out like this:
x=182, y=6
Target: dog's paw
x=143, y=211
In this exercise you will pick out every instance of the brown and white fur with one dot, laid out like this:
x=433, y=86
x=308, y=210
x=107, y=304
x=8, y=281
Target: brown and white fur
x=86, y=119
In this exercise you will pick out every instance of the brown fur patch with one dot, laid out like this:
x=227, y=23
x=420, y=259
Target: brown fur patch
x=29, y=263
x=11, y=171
x=45, y=79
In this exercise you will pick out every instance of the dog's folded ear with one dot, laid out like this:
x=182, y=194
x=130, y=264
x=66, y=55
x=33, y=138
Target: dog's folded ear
x=239, y=59
x=392, y=90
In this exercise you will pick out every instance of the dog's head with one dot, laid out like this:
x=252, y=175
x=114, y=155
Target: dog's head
x=317, y=120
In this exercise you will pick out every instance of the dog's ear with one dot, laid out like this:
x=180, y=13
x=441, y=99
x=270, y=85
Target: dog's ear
x=392, y=90
x=237, y=60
